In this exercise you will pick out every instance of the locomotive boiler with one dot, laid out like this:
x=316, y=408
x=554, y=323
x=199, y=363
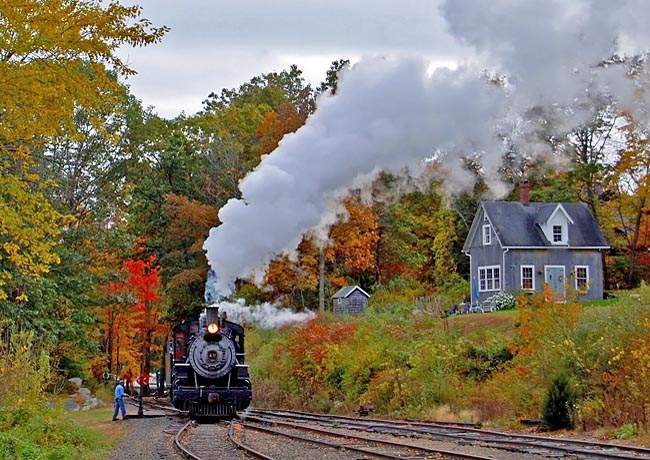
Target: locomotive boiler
x=209, y=377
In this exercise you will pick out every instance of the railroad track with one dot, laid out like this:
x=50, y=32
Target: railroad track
x=462, y=434
x=275, y=435
x=323, y=443
x=209, y=441
x=200, y=442
x=180, y=445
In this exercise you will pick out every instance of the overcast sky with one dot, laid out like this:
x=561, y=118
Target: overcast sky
x=215, y=44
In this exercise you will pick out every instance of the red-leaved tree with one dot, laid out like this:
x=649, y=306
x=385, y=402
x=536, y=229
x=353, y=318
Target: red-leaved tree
x=142, y=317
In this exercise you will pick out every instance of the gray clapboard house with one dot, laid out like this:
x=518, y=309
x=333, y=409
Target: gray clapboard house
x=523, y=246
x=350, y=299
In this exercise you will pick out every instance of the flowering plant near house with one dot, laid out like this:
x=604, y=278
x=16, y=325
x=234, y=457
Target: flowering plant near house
x=504, y=300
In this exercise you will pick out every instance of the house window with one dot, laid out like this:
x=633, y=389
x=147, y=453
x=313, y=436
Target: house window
x=489, y=278
x=582, y=278
x=557, y=234
x=487, y=235
x=527, y=277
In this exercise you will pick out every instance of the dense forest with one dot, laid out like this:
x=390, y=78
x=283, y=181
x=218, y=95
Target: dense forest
x=105, y=206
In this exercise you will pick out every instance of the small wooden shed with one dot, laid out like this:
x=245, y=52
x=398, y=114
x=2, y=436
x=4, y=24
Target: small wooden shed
x=350, y=299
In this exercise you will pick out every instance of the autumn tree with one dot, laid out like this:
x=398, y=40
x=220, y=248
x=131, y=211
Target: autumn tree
x=349, y=257
x=293, y=280
x=396, y=255
x=590, y=145
x=352, y=244
x=164, y=161
x=348, y=253
x=143, y=323
x=55, y=57
x=408, y=225
x=444, y=265
x=631, y=201
x=285, y=119
x=184, y=267
x=170, y=206
x=239, y=125
x=90, y=166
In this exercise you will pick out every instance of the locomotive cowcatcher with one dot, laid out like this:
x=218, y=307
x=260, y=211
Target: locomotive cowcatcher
x=208, y=375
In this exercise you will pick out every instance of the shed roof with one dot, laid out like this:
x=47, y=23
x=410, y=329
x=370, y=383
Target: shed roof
x=347, y=291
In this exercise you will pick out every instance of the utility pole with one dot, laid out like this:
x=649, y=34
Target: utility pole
x=140, y=411
x=321, y=280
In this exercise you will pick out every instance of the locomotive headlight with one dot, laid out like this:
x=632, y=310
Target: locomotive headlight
x=213, y=328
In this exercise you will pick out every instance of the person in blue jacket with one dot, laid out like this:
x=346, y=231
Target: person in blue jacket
x=119, y=402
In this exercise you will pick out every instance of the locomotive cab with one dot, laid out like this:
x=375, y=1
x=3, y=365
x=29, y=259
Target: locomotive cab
x=209, y=375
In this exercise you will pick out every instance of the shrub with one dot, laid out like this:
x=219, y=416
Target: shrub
x=591, y=413
x=411, y=365
x=45, y=433
x=559, y=405
x=627, y=431
x=29, y=428
x=24, y=369
x=504, y=301
x=480, y=363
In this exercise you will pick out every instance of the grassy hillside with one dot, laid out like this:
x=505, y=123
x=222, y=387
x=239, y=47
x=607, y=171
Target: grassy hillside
x=496, y=368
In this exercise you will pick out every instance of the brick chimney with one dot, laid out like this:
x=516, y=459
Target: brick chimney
x=524, y=192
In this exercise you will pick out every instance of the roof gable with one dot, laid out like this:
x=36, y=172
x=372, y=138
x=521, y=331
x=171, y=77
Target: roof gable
x=347, y=291
x=547, y=213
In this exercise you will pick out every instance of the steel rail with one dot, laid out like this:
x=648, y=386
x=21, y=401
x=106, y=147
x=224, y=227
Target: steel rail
x=571, y=446
x=321, y=442
x=452, y=454
x=177, y=442
x=248, y=450
x=362, y=419
x=577, y=442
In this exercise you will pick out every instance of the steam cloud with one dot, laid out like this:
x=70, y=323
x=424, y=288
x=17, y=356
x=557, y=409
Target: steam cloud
x=265, y=316
x=392, y=114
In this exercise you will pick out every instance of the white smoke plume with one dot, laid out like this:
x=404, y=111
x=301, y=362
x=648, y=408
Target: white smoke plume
x=391, y=114
x=265, y=316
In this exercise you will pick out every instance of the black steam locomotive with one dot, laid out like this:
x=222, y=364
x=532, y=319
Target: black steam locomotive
x=208, y=374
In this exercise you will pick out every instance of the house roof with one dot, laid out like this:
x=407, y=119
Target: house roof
x=548, y=210
x=347, y=291
x=518, y=225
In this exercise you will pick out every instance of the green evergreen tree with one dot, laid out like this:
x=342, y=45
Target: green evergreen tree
x=557, y=410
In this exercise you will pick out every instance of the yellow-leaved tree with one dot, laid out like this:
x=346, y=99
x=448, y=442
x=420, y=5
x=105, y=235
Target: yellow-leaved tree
x=56, y=56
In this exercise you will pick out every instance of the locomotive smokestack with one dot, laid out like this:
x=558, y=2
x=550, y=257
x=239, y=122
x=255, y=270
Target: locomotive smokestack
x=211, y=315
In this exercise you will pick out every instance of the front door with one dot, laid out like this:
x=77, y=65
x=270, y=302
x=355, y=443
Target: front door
x=554, y=278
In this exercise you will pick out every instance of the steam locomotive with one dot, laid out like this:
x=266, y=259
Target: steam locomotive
x=208, y=374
